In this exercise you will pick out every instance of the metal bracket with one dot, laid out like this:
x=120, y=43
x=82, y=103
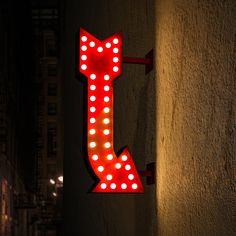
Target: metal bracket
x=147, y=61
x=150, y=173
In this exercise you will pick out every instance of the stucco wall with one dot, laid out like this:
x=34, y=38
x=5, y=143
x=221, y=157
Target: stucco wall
x=196, y=113
x=135, y=102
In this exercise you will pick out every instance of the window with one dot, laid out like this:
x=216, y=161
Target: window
x=52, y=108
x=52, y=140
x=52, y=69
x=52, y=89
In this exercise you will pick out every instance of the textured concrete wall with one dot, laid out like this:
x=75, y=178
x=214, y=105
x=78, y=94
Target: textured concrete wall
x=196, y=117
x=135, y=102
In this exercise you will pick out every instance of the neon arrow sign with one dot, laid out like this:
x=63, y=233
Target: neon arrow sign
x=100, y=62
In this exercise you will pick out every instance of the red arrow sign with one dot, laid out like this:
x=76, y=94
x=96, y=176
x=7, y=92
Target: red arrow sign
x=100, y=62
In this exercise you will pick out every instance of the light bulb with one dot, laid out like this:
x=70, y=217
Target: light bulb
x=92, y=87
x=106, y=88
x=115, y=41
x=92, y=98
x=106, y=77
x=115, y=59
x=106, y=121
x=109, y=177
x=106, y=99
x=95, y=157
x=109, y=157
x=118, y=165
x=134, y=186
x=92, y=109
x=123, y=186
x=108, y=45
x=115, y=68
x=83, y=67
x=92, y=76
x=84, y=38
x=92, y=120
x=106, y=109
x=107, y=144
x=92, y=131
x=103, y=186
x=127, y=167
x=92, y=144
x=100, y=168
x=100, y=49
x=83, y=57
x=83, y=48
x=124, y=158
x=113, y=186
x=106, y=131
x=130, y=176
x=115, y=50
x=91, y=44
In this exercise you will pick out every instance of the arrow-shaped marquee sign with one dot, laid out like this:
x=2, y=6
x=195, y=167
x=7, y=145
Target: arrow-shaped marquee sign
x=100, y=62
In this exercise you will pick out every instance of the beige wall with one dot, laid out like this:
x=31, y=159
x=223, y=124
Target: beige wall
x=196, y=114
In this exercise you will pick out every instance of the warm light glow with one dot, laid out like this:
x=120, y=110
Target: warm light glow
x=106, y=131
x=127, y=167
x=124, y=158
x=84, y=38
x=109, y=157
x=106, y=121
x=106, y=88
x=83, y=48
x=95, y=157
x=109, y=177
x=107, y=144
x=123, y=186
x=92, y=120
x=54, y=194
x=100, y=49
x=92, y=98
x=134, y=186
x=115, y=41
x=83, y=67
x=52, y=181
x=103, y=186
x=115, y=68
x=115, y=50
x=92, y=144
x=91, y=44
x=130, y=176
x=106, y=109
x=115, y=59
x=118, y=165
x=83, y=57
x=92, y=76
x=106, y=99
x=92, y=87
x=100, y=168
x=108, y=45
x=106, y=77
x=92, y=109
x=92, y=131
x=113, y=186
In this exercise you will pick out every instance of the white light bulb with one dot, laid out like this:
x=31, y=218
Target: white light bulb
x=106, y=88
x=115, y=59
x=83, y=48
x=92, y=98
x=106, y=131
x=115, y=68
x=91, y=44
x=83, y=67
x=92, y=87
x=115, y=50
x=92, y=120
x=100, y=168
x=124, y=158
x=84, y=38
x=92, y=144
x=123, y=186
x=92, y=76
x=106, y=77
x=118, y=165
x=130, y=176
x=134, y=186
x=127, y=167
x=92, y=131
x=100, y=49
x=106, y=109
x=108, y=45
x=109, y=157
x=103, y=186
x=107, y=144
x=106, y=99
x=115, y=41
x=106, y=121
x=95, y=157
x=92, y=109
x=109, y=177
x=113, y=186
x=83, y=57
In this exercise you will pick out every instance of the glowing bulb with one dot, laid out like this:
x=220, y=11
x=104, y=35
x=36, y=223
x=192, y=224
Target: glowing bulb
x=106, y=121
x=115, y=68
x=113, y=186
x=92, y=76
x=106, y=131
x=91, y=44
x=124, y=186
x=83, y=67
x=92, y=98
x=84, y=38
x=92, y=131
x=106, y=99
x=83, y=57
x=52, y=181
x=134, y=186
x=106, y=77
x=92, y=109
x=109, y=177
x=115, y=50
x=100, y=168
x=115, y=59
x=130, y=176
x=124, y=158
x=106, y=109
x=100, y=49
x=109, y=157
x=103, y=186
x=106, y=88
x=83, y=48
x=92, y=87
x=115, y=41
x=92, y=144
x=118, y=165
x=127, y=167
x=92, y=120
x=95, y=157
x=108, y=45
x=107, y=144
